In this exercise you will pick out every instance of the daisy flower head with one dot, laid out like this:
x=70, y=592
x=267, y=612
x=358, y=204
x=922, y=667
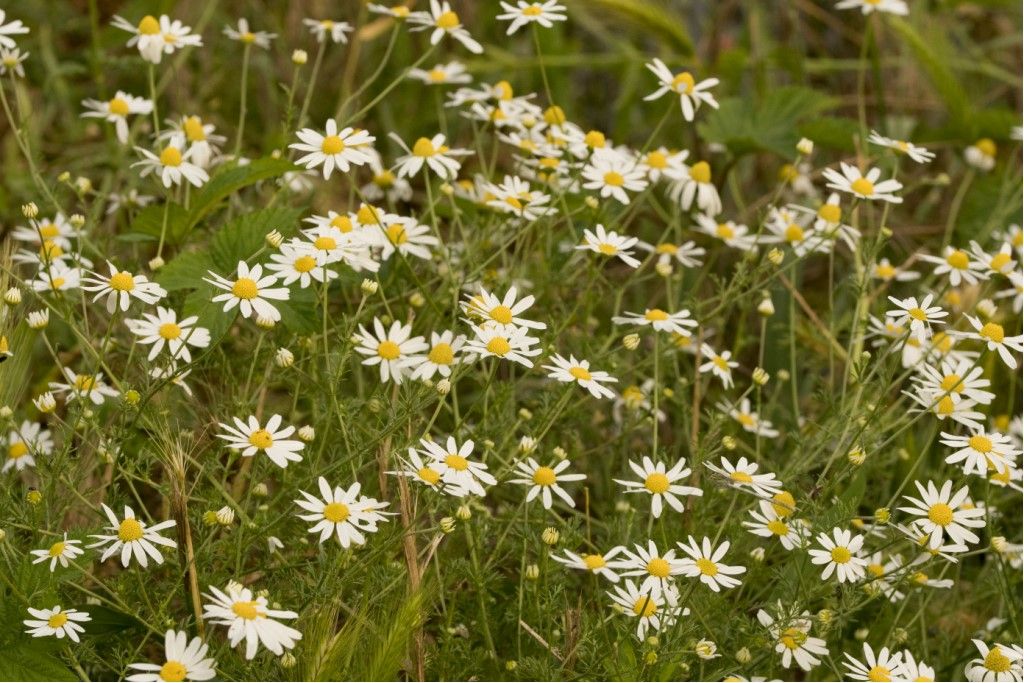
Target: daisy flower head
x=523, y=13
x=173, y=164
x=994, y=336
x=1001, y=262
x=116, y=110
x=393, y=11
x=687, y=254
x=718, y=364
x=919, y=316
x=579, y=371
x=427, y=472
x=394, y=349
x=885, y=271
x=914, y=670
x=133, y=537
x=442, y=21
x=57, y=230
x=662, y=321
x=508, y=342
x=507, y=310
x=251, y=438
x=749, y=419
x=12, y=62
x=23, y=444
x=55, y=622
x=692, y=94
x=184, y=660
x=661, y=160
x=164, y=329
x=654, y=610
x=793, y=640
x=249, y=618
x=918, y=154
x=442, y=74
x=941, y=513
x=660, y=483
x=335, y=148
x=456, y=469
x=610, y=244
x=595, y=563
x=443, y=353
x=8, y=29
x=544, y=481
x=795, y=230
x=958, y=266
x=743, y=475
x=981, y=452
x=301, y=262
x=407, y=236
x=732, y=234
x=981, y=155
x=956, y=378
x=657, y=569
x=244, y=35
x=147, y=36
x=328, y=30
x=897, y=7
x=61, y=551
x=863, y=185
x=81, y=387
x=692, y=186
x=704, y=561
x=431, y=153
x=996, y=663
x=342, y=513
x=202, y=142
x=120, y=286
x=514, y=196
x=611, y=174
x=768, y=523
x=840, y=555
x=883, y=666
x=250, y=291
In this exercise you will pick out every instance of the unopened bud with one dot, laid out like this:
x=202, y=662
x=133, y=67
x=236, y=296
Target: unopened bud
x=443, y=386
x=560, y=453
x=525, y=414
x=45, y=402
x=12, y=296
x=369, y=287
x=284, y=358
x=987, y=308
x=34, y=497
x=663, y=268
x=805, y=146
x=265, y=323
x=783, y=375
x=464, y=513
x=306, y=433
x=287, y=660
x=260, y=489
x=29, y=210
x=592, y=203
x=532, y=572
x=447, y=524
x=416, y=300
x=631, y=341
x=729, y=443
x=299, y=57
x=882, y=515
x=760, y=376
x=527, y=444
x=550, y=536
x=132, y=397
x=38, y=320
x=999, y=544
x=274, y=238
x=775, y=256
x=156, y=263
x=743, y=655
x=225, y=516
x=856, y=456
x=766, y=307
x=825, y=617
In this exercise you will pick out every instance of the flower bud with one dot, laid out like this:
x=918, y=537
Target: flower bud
x=532, y=572
x=132, y=397
x=766, y=307
x=861, y=634
x=306, y=433
x=856, y=456
x=729, y=443
x=45, y=402
x=416, y=300
x=29, y=210
x=284, y=358
x=663, y=268
x=706, y=649
x=999, y=544
x=987, y=308
x=287, y=660
x=782, y=375
x=760, y=376
x=511, y=665
x=775, y=256
x=743, y=655
x=525, y=414
x=369, y=287
x=265, y=323
x=274, y=238
x=447, y=189
x=299, y=57
x=156, y=263
x=805, y=146
x=38, y=320
x=34, y=497
x=631, y=341
x=550, y=536
x=443, y=386
x=882, y=515
x=560, y=453
x=225, y=516
x=757, y=554
x=825, y=617
x=592, y=203
x=447, y=524
x=5, y=411
x=464, y=513
x=12, y=296
x=260, y=489
x=527, y=444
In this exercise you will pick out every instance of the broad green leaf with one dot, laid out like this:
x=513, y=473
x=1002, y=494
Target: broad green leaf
x=227, y=182
x=832, y=132
x=186, y=271
x=242, y=237
x=149, y=223
x=28, y=661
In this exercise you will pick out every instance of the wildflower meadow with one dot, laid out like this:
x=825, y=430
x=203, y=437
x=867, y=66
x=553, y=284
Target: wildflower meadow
x=511, y=340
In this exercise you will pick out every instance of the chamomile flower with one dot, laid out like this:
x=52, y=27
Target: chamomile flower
x=57, y=230
x=998, y=663
x=913, y=670
x=655, y=610
x=657, y=569
x=203, y=143
x=443, y=353
x=301, y=262
x=863, y=185
x=918, y=154
x=244, y=35
x=884, y=666
x=61, y=551
x=335, y=148
x=407, y=236
x=81, y=387
x=993, y=335
x=958, y=266
x=661, y=160
x=442, y=74
x=442, y=21
x=116, y=110
x=957, y=378
x=793, y=640
x=250, y=292
x=524, y=12
x=328, y=30
x=795, y=230
x=508, y=342
x=514, y=196
x=172, y=164
x=431, y=153
x=610, y=244
x=251, y=438
x=427, y=472
x=384, y=182
x=544, y=481
x=120, y=286
x=981, y=452
x=897, y=7
x=662, y=321
x=55, y=622
x=943, y=406
x=732, y=234
x=942, y=515
x=687, y=254
x=840, y=555
x=692, y=186
x=394, y=350
x=718, y=364
x=705, y=562
x=1001, y=262
x=164, y=329
x=611, y=174
x=749, y=419
x=981, y=155
x=504, y=311
x=595, y=563
x=579, y=372
x=743, y=475
x=768, y=523
x=12, y=62
x=456, y=469
x=147, y=36
x=11, y=28
x=249, y=618
x=919, y=316
x=184, y=660
x=342, y=513
x=660, y=483
x=692, y=94
x=133, y=537
x=23, y=444
x=885, y=271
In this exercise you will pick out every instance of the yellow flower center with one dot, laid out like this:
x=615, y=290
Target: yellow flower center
x=261, y=438
x=830, y=213
x=245, y=288
x=707, y=567
x=428, y=475
x=783, y=503
x=57, y=549
x=580, y=373
x=595, y=139
x=17, y=450
x=369, y=215
x=169, y=331
x=917, y=313
x=945, y=406
x=777, y=527
x=863, y=187
x=885, y=271
x=724, y=231
x=325, y=243
x=554, y=115
x=57, y=620
x=788, y=173
x=499, y=346
x=388, y=350
x=992, y=331
x=952, y=383
x=246, y=609
x=544, y=476
x=49, y=230
x=173, y=671
x=745, y=419
x=423, y=148
x=879, y=673
x=980, y=443
x=657, y=159
x=171, y=156
x=999, y=261
x=118, y=107
x=456, y=462
x=645, y=606
x=396, y=233
x=533, y=10
x=501, y=314
x=193, y=127
x=742, y=477
x=304, y=264
x=336, y=512
x=129, y=530
x=614, y=179
x=683, y=82
x=656, y=482
x=85, y=382
x=593, y=561
x=441, y=354
x=656, y=315
x=659, y=567
x=940, y=514
x=700, y=172
x=332, y=144
x=876, y=569
x=49, y=251
x=794, y=233
x=448, y=20
x=342, y=223
x=841, y=555
x=958, y=259
x=996, y=661
x=122, y=281
x=607, y=249
x=793, y=638
x=986, y=146
x=149, y=26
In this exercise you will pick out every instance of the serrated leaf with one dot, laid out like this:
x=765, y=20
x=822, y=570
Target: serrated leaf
x=186, y=271
x=831, y=131
x=227, y=182
x=244, y=236
x=149, y=223
x=27, y=661
x=298, y=312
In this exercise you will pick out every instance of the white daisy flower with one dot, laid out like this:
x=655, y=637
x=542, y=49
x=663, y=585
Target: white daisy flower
x=395, y=350
x=244, y=35
x=302, y=262
x=919, y=316
x=768, y=523
x=62, y=551
x=342, y=513
x=718, y=364
x=328, y=29
x=164, y=329
x=687, y=254
x=544, y=481
x=431, y=152
x=691, y=92
x=407, y=236
x=957, y=378
x=1001, y=262
x=12, y=61
x=610, y=244
x=941, y=513
x=203, y=144
x=593, y=562
x=24, y=443
x=732, y=234
x=749, y=419
x=334, y=149
x=793, y=640
x=523, y=13
x=131, y=536
x=120, y=286
x=250, y=619
x=441, y=74
x=427, y=472
x=657, y=569
x=442, y=21
x=508, y=342
x=705, y=562
x=660, y=483
x=993, y=335
x=579, y=371
x=958, y=266
x=12, y=28
x=172, y=164
x=861, y=185
x=83, y=387
x=743, y=475
x=184, y=660
x=444, y=352
x=249, y=292
x=918, y=154
x=679, y=322
x=655, y=610
x=884, y=270
x=452, y=462
x=116, y=110
x=897, y=7
x=55, y=622
x=998, y=663
x=981, y=452
x=250, y=438
x=503, y=311
x=612, y=174
x=884, y=666
x=692, y=185
x=841, y=555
